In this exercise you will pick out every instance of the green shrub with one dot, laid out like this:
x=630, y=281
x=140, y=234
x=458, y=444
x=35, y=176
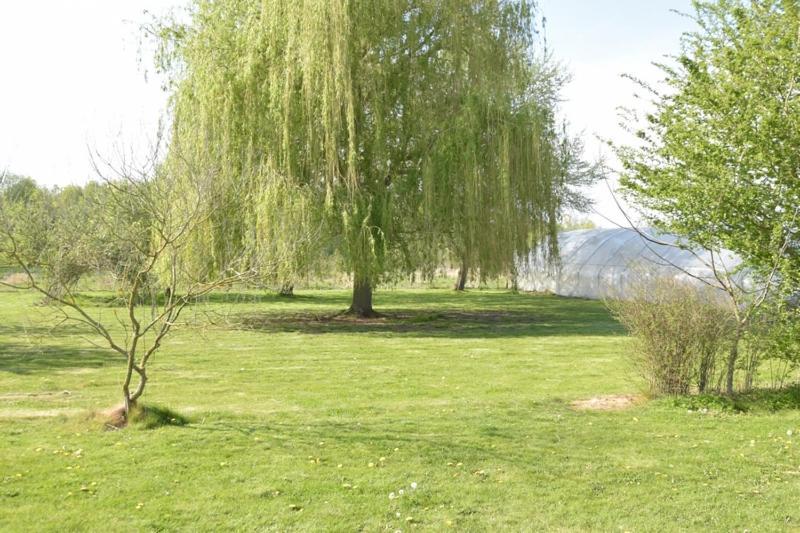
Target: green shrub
x=679, y=331
x=774, y=340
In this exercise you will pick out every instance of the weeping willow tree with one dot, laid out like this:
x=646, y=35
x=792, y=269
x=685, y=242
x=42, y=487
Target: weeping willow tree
x=500, y=181
x=384, y=129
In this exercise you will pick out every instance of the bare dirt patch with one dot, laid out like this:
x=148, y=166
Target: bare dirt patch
x=612, y=402
x=37, y=413
x=17, y=279
x=113, y=418
x=11, y=396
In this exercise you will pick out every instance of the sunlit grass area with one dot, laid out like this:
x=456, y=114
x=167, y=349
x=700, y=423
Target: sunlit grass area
x=451, y=411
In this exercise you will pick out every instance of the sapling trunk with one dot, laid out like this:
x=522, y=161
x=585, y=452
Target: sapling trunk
x=286, y=290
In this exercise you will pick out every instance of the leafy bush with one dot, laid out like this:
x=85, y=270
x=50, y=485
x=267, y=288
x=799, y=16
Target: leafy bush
x=774, y=341
x=679, y=333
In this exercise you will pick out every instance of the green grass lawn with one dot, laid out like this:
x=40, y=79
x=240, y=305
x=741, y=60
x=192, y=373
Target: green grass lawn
x=301, y=423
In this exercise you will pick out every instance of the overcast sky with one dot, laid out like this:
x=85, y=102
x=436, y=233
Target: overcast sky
x=71, y=76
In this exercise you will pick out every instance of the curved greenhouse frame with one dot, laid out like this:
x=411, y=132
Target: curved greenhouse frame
x=601, y=263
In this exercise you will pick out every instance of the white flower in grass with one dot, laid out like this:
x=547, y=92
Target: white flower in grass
x=401, y=492
x=413, y=485
x=392, y=496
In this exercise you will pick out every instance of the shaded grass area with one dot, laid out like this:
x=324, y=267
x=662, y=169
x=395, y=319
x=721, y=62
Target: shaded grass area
x=299, y=421
x=755, y=400
x=487, y=314
x=458, y=324
x=24, y=358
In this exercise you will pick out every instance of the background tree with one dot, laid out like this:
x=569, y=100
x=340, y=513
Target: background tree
x=397, y=123
x=16, y=189
x=478, y=241
x=717, y=157
x=291, y=233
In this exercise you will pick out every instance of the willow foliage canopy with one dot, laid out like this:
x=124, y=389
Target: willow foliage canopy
x=383, y=129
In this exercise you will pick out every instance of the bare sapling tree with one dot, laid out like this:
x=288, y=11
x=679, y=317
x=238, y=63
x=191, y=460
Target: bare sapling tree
x=139, y=222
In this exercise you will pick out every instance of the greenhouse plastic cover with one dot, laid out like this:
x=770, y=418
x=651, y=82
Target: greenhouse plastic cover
x=602, y=263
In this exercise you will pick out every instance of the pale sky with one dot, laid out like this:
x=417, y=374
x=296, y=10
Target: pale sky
x=598, y=41
x=71, y=79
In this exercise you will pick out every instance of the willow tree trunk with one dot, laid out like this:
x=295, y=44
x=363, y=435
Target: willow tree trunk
x=514, y=279
x=286, y=290
x=361, y=305
x=463, y=273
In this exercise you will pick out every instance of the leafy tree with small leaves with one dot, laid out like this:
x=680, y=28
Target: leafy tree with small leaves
x=717, y=157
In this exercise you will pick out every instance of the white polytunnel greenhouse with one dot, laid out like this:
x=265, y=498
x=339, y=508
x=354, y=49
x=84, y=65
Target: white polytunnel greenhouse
x=602, y=263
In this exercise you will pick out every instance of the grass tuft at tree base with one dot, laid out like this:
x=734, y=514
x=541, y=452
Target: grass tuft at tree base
x=141, y=417
x=155, y=416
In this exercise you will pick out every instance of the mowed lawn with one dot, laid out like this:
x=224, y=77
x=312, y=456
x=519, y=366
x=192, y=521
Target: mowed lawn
x=303, y=423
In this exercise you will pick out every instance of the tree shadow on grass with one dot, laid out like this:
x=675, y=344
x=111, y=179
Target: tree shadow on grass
x=474, y=323
x=385, y=300
x=422, y=313
x=461, y=443
x=21, y=358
